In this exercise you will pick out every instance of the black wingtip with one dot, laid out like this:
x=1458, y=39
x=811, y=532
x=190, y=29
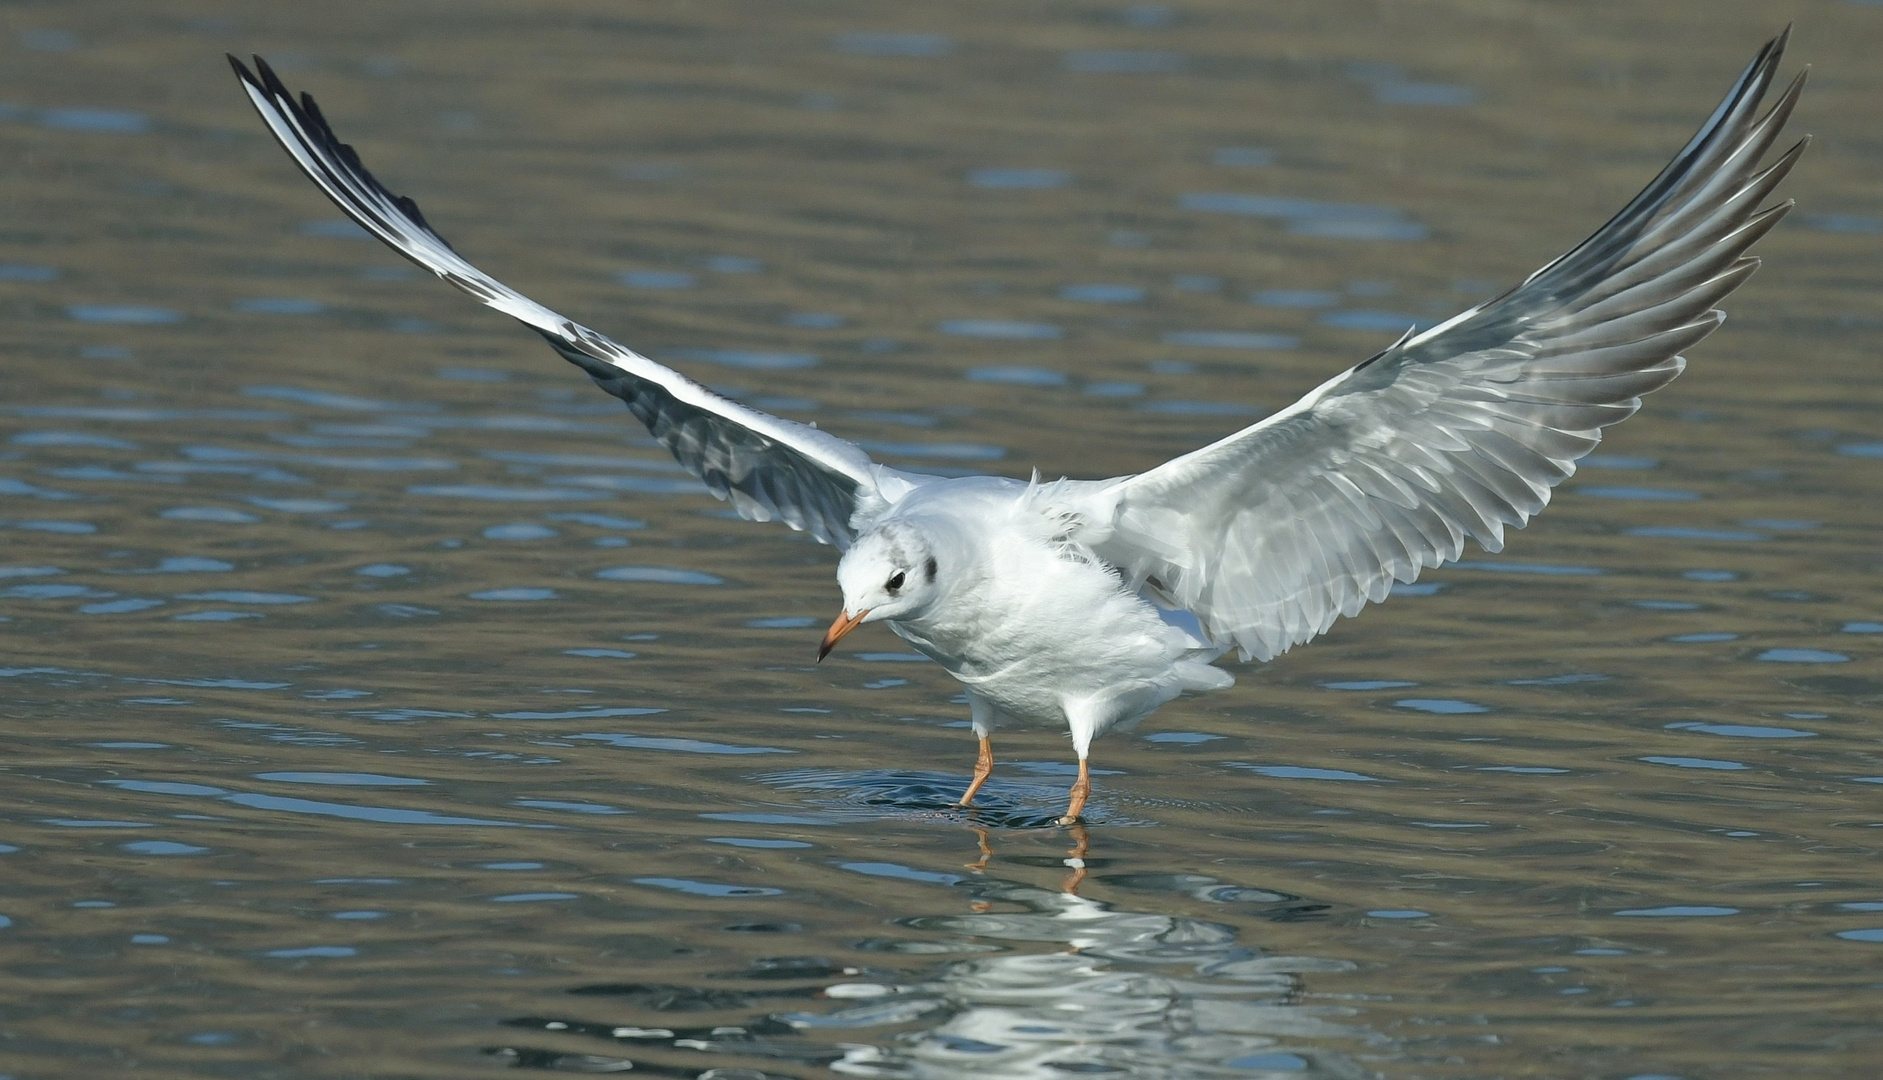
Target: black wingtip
x=249, y=78
x=262, y=78
x=306, y=112
x=1774, y=50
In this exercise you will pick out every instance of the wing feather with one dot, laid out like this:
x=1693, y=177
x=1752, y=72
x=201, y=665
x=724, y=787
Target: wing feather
x=1460, y=431
x=769, y=468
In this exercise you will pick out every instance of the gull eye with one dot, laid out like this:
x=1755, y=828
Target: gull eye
x=896, y=580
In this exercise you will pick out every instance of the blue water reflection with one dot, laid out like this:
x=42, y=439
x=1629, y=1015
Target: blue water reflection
x=890, y=43
x=71, y=438
x=1742, y=731
x=1000, y=329
x=124, y=314
x=272, y=305
x=1441, y=706
x=1384, y=322
x=95, y=120
x=657, y=279
x=660, y=575
x=1242, y=157
x=1311, y=217
x=1019, y=179
x=1102, y=294
x=1124, y=62
x=1017, y=376
x=1230, y=339
x=1304, y=772
x=520, y=530
x=515, y=594
x=749, y=359
x=1294, y=298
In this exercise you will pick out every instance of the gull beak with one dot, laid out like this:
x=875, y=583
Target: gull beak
x=842, y=625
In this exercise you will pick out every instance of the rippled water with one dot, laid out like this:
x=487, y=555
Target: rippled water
x=379, y=702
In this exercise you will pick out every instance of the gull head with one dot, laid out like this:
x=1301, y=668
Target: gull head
x=889, y=573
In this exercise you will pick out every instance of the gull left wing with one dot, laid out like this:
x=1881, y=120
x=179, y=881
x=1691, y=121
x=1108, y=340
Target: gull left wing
x=767, y=466
x=1271, y=534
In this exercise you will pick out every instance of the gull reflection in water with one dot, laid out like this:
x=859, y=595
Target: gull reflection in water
x=1044, y=983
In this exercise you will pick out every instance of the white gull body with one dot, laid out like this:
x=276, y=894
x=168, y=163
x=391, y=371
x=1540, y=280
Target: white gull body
x=1001, y=590
x=1089, y=604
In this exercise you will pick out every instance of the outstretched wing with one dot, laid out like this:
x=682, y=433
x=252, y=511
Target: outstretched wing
x=1272, y=533
x=768, y=467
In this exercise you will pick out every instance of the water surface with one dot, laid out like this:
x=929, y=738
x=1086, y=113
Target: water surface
x=380, y=701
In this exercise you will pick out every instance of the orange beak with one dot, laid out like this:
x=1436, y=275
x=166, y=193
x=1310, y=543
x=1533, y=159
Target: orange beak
x=842, y=625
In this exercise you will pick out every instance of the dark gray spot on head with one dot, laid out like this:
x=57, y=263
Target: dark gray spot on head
x=929, y=567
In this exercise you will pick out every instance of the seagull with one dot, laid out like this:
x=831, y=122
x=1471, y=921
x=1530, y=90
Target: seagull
x=1088, y=604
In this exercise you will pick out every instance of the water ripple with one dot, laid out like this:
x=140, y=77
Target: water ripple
x=888, y=43
x=660, y=575
x=685, y=746
x=1311, y=217
x=708, y=888
x=1020, y=179
x=1124, y=62
x=502, y=493
x=1742, y=731
x=1000, y=329
x=1696, y=763
x=1303, y=772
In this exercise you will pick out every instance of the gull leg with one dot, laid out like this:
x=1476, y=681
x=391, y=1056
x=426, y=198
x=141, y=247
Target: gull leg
x=983, y=768
x=985, y=718
x=1080, y=789
x=1086, y=717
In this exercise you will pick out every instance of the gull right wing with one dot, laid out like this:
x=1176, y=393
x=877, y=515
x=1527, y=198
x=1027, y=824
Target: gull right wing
x=767, y=466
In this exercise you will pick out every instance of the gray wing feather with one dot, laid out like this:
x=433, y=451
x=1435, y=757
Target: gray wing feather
x=770, y=468
x=1271, y=534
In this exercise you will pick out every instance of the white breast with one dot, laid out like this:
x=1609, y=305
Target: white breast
x=1030, y=624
